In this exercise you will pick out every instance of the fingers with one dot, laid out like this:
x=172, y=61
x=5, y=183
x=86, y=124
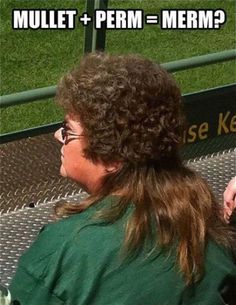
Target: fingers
x=228, y=209
x=230, y=191
x=229, y=199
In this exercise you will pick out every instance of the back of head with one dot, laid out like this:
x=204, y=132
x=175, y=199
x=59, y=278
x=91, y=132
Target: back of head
x=129, y=108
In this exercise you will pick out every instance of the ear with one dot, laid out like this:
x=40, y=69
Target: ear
x=113, y=167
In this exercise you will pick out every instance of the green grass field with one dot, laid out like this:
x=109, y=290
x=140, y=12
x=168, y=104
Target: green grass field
x=33, y=59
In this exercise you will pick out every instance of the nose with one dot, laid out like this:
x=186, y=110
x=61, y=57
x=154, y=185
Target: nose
x=57, y=136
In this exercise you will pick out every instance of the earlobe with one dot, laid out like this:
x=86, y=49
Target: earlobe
x=112, y=168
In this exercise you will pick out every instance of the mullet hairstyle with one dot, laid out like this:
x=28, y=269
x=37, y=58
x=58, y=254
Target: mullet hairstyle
x=131, y=112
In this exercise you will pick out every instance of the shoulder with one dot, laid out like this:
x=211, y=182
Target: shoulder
x=68, y=253
x=79, y=230
x=51, y=237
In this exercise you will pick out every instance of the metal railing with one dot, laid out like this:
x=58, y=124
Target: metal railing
x=173, y=66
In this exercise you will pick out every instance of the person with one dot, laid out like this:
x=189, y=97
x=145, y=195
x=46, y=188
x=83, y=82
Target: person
x=150, y=231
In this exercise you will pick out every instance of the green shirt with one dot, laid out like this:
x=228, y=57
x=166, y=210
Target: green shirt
x=77, y=261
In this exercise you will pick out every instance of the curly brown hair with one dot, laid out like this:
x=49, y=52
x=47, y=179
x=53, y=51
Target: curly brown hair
x=130, y=110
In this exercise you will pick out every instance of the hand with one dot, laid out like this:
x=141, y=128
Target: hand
x=230, y=199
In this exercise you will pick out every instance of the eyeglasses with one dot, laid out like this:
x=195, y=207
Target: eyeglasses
x=65, y=134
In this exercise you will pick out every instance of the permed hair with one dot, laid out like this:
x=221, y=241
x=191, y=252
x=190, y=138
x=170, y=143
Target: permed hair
x=129, y=108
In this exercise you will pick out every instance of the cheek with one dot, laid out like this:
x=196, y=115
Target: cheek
x=73, y=164
x=70, y=164
x=80, y=169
